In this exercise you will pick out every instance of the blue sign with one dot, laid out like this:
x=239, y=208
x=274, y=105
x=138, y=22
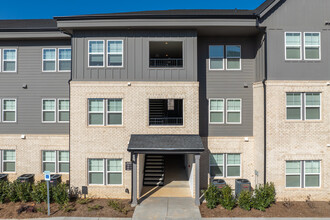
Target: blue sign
x=47, y=175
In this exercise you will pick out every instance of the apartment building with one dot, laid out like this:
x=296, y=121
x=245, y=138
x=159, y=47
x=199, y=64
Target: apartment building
x=170, y=98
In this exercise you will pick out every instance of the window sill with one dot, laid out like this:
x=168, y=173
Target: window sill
x=304, y=121
x=166, y=126
x=105, y=186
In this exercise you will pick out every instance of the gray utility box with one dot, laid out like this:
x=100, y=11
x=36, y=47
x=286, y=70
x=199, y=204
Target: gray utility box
x=3, y=177
x=26, y=178
x=242, y=185
x=220, y=183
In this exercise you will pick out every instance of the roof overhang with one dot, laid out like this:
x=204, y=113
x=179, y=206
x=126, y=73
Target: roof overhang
x=8, y=35
x=165, y=144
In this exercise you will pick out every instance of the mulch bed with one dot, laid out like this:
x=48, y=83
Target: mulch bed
x=9, y=210
x=280, y=209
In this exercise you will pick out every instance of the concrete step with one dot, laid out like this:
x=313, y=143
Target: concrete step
x=161, y=179
x=155, y=160
x=154, y=167
x=154, y=164
x=153, y=174
x=154, y=171
x=154, y=156
x=150, y=183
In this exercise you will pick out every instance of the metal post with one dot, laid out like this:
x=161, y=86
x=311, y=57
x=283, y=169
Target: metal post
x=48, y=197
x=197, y=175
x=134, y=180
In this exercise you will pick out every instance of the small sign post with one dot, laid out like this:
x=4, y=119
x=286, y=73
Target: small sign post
x=47, y=179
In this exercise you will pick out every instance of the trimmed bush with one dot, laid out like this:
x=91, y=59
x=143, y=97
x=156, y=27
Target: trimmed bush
x=212, y=196
x=60, y=193
x=12, y=192
x=227, y=200
x=244, y=200
x=23, y=191
x=39, y=192
x=3, y=191
x=264, y=196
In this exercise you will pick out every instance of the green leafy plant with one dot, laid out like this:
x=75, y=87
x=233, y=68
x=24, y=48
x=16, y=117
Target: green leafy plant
x=42, y=210
x=212, y=196
x=3, y=191
x=95, y=207
x=60, y=193
x=39, y=192
x=12, y=192
x=264, y=196
x=118, y=206
x=244, y=200
x=227, y=200
x=84, y=201
x=23, y=191
x=68, y=207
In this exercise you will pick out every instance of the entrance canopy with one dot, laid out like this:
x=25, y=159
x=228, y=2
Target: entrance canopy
x=165, y=144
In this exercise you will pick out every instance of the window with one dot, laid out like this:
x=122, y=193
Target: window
x=233, y=55
x=115, y=53
x=312, y=48
x=234, y=111
x=293, y=46
x=55, y=161
x=114, y=112
x=9, y=110
x=63, y=110
x=8, y=161
x=49, y=60
x=9, y=60
x=310, y=102
x=216, y=57
x=105, y=171
x=96, y=53
x=48, y=110
x=165, y=112
x=303, y=174
x=165, y=54
x=95, y=112
x=64, y=59
x=216, y=111
x=225, y=165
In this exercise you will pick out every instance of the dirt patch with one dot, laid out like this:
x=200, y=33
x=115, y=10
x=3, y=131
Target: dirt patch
x=280, y=209
x=9, y=210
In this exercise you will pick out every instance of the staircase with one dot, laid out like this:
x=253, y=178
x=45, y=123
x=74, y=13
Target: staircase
x=154, y=170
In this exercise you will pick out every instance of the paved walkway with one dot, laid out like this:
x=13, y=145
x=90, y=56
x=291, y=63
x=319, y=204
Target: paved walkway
x=167, y=209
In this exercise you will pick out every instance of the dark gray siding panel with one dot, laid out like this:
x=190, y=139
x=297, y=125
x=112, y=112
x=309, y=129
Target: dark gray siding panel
x=136, y=56
x=227, y=84
x=40, y=85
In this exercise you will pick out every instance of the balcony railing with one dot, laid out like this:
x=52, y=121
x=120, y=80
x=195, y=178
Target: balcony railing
x=166, y=62
x=166, y=121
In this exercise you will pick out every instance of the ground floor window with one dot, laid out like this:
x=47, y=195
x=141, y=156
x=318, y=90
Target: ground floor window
x=225, y=165
x=105, y=171
x=55, y=161
x=303, y=174
x=8, y=161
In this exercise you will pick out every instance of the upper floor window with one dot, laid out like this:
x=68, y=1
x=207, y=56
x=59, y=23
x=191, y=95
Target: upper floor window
x=9, y=60
x=64, y=59
x=9, y=109
x=63, y=110
x=114, y=111
x=303, y=106
x=98, y=116
x=233, y=55
x=49, y=60
x=165, y=54
x=7, y=161
x=233, y=111
x=293, y=46
x=96, y=53
x=217, y=57
x=312, y=47
x=115, y=53
x=216, y=111
x=49, y=110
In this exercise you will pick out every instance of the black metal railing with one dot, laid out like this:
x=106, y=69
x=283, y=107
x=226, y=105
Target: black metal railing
x=166, y=121
x=166, y=62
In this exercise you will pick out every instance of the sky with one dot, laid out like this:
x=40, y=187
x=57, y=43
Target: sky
x=33, y=9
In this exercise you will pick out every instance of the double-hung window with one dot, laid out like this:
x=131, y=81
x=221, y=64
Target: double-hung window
x=96, y=53
x=216, y=57
x=64, y=59
x=225, y=165
x=95, y=112
x=312, y=173
x=303, y=106
x=293, y=106
x=9, y=60
x=99, y=115
x=105, y=171
x=293, y=46
x=115, y=53
x=114, y=112
x=312, y=106
x=303, y=174
x=63, y=110
x=49, y=60
x=312, y=47
x=234, y=111
x=49, y=110
x=216, y=111
x=293, y=173
x=9, y=109
x=8, y=161
x=233, y=55
x=55, y=161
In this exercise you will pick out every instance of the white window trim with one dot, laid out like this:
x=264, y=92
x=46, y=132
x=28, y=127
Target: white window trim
x=296, y=46
x=3, y=61
x=48, y=60
x=91, y=112
x=319, y=174
x=309, y=106
x=58, y=62
x=59, y=162
x=107, y=112
x=215, y=165
x=115, y=53
x=3, y=160
x=58, y=110
x=42, y=111
x=314, y=46
x=107, y=172
x=103, y=172
x=56, y=162
x=234, y=165
x=223, y=58
x=45, y=161
x=240, y=58
x=96, y=53
x=294, y=174
x=240, y=111
x=223, y=111
x=293, y=106
x=3, y=110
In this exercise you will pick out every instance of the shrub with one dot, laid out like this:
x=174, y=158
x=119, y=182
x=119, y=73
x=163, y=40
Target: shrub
x=118, y=206
x=12, y=192
x=23, y=191
x=39, y=192
x=60, y=193
x=84, y=201
x=68, y=207
x=212, y=196
x=3, y=191
x=245, y=200
x=227, y=200
x=264, y=196
x=95, y=207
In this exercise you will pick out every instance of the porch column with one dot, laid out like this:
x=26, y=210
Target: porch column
x=197, y=181
x=134, y=179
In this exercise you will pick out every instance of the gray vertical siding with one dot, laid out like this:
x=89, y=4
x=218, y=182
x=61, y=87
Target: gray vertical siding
x=136, y=56
x=227, y=84
x=40, y=85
